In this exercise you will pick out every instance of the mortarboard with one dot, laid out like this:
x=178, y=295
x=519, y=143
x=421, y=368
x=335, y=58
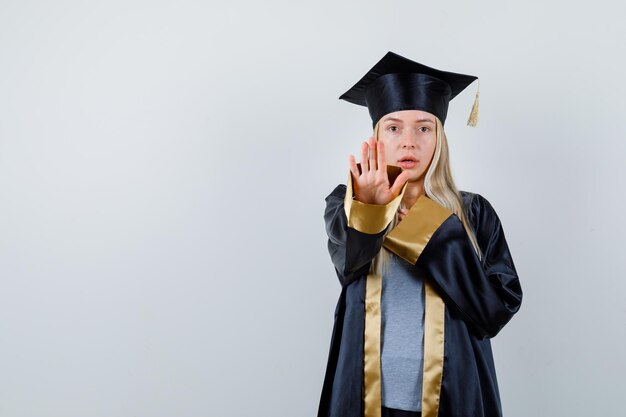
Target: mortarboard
x=396, y=83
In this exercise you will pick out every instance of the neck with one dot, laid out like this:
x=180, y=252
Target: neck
x=413, y=191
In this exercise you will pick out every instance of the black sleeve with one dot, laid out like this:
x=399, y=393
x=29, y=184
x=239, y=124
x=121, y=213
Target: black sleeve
x=484, y=292
x=351, y=251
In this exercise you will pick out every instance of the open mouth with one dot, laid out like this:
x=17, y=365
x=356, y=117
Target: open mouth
x=407, y=162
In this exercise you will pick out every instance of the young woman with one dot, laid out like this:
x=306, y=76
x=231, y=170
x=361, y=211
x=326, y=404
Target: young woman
x=427, y=277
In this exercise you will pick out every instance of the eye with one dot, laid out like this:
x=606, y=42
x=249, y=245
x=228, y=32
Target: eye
x=424, y=129
x=393, y=128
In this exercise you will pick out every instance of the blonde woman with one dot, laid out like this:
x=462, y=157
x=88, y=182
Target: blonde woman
x=427, y=277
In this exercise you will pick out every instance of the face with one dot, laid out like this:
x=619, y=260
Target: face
x=410, y=139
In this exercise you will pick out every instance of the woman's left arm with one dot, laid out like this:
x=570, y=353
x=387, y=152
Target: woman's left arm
x=485, y=292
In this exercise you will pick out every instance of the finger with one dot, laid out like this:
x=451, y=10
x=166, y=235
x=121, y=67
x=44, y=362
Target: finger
x=364, y=157
x=382, y=164
x=353, y=168
x=372, y=145
x=399, y=182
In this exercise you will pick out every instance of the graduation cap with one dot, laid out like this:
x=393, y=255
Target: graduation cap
x=396, y=83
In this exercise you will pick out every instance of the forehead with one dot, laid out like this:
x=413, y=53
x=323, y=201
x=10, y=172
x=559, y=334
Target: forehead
x=409, y=116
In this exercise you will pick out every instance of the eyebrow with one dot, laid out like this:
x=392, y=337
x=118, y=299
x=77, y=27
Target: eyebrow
x=393, y=119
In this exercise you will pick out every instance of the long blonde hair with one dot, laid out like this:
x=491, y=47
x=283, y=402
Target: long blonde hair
x=438, y=186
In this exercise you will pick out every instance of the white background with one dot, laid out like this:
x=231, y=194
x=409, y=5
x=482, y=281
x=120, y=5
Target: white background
x=163, y=169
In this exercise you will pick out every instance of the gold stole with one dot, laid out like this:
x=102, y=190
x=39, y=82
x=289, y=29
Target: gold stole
x=407, y=240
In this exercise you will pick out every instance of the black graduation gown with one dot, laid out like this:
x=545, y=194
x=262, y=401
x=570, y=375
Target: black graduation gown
x=480, y=297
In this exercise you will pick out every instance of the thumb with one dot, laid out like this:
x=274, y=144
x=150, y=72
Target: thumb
x=399, y=182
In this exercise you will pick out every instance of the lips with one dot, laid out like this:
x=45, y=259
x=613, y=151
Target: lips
x=407, y=162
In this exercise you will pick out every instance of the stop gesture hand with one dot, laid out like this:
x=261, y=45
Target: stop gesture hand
x=371, y=185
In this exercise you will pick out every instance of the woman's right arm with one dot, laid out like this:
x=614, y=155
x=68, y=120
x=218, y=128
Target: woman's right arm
x=358, y=214
x=355, y=231
x=350, y=250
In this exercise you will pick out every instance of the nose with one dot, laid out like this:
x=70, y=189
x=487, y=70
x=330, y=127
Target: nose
x=408, y=141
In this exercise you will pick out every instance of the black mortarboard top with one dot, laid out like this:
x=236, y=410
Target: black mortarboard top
x=396, y=83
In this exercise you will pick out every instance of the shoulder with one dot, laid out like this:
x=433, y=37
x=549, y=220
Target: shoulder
x=480, y=213
x=474, y=201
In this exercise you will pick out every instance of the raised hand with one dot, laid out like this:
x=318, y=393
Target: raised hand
x=371, y=184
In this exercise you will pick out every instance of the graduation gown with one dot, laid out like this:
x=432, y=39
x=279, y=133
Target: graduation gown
x=468, y=301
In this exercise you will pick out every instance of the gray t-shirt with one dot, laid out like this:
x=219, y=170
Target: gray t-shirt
x=402, y=341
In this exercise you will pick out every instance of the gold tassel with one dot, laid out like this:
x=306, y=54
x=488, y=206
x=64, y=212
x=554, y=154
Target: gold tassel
x=473, y=117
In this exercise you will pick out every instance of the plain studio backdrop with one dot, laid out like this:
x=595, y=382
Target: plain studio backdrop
x=163, y=169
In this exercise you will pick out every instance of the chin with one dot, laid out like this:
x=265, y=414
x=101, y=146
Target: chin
x=417, y=178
